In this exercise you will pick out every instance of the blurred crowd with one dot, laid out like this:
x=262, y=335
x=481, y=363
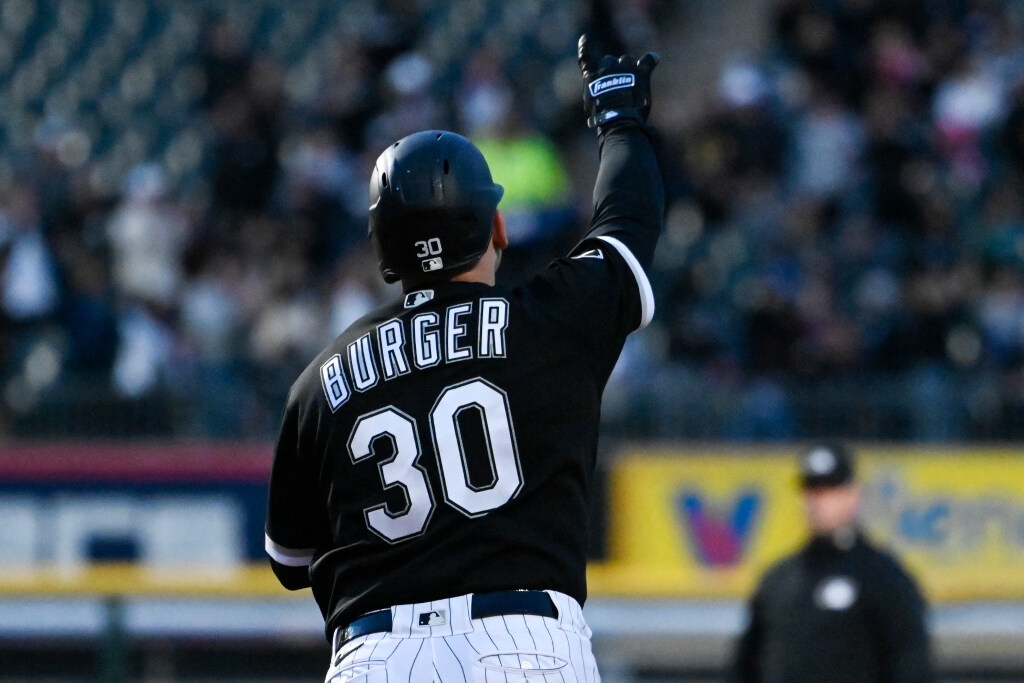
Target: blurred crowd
x=183, y=197
x=845, y=252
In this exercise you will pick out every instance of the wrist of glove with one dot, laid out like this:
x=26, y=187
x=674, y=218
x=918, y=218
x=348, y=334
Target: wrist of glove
x=617, y=89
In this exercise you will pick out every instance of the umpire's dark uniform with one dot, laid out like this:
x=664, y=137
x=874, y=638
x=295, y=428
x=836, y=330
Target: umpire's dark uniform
x=839, y=610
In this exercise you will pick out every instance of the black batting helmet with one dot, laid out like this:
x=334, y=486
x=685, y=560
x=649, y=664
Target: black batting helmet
x=432, y=203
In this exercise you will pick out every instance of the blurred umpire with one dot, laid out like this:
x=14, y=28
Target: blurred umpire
x=432, y=474
x=838, y=610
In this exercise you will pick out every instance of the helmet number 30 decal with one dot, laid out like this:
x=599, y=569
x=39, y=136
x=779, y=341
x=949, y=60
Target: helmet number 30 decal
x=429, y=252
x=431, y=247
x=403, y=469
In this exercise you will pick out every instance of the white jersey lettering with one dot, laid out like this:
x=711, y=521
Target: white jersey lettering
x=391, y=337
x=454, y=332
x=493, y=323
x=426, y=340
x=332, y=377
x=361, y=363
x=386, y=354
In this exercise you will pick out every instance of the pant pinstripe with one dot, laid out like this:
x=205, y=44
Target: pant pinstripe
x=502, y=649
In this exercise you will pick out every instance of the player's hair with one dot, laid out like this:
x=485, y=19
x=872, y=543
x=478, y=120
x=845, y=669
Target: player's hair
x=432, y=203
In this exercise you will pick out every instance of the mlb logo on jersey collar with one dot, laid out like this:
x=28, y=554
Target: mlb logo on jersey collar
x=414, y=299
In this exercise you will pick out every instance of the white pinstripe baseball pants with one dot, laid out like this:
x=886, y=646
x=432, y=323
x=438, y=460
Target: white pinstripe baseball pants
x=501, y=649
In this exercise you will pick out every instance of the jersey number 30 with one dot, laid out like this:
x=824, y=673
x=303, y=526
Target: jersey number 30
x=404, y=470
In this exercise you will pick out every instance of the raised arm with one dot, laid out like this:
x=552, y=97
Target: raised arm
x=629, y=196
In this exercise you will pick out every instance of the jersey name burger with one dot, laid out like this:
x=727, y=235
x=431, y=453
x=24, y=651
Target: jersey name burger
x=424, y=340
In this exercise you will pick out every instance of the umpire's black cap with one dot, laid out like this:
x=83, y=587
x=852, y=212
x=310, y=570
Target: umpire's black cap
x=824, y=465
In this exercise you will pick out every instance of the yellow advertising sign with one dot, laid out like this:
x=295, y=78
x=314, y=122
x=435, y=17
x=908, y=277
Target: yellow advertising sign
x=707, y=524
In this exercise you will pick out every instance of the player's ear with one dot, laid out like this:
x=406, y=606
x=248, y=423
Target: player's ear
x=498, y=236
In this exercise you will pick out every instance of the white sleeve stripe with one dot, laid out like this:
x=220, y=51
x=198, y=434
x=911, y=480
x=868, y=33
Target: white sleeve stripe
x=287, y=556
x=646, y=292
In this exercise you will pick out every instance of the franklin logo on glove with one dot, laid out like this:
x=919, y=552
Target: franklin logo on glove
x=618, y=89
x=615, y=82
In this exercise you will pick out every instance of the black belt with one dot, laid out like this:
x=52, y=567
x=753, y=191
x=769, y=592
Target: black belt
x=537, y=603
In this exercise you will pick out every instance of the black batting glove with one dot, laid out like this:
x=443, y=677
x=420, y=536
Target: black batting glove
x=618, y=89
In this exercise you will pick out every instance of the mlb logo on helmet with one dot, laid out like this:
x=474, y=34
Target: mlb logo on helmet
x=432, y=264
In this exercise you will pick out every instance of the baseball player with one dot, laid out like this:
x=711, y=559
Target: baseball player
x=432, y=474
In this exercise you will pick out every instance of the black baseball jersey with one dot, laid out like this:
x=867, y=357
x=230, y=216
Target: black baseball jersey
x=835, y=613
x=444, y=444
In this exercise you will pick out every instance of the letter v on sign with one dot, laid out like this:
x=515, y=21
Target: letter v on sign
x=717, y=535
